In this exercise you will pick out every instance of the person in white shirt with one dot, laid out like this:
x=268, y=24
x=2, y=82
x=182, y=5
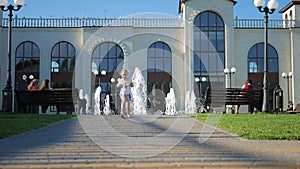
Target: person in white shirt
x=125, y=85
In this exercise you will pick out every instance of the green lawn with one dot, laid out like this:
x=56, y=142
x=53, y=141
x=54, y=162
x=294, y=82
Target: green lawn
x=15, y=123
x=259, y=126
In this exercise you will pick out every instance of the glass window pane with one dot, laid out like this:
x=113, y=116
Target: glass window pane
x=159, y=65
x=54, y=66
x=103, y=50
x=19, y=52
x=221, y=62
x=273, y=65
x=151, y=63
x=260, y=65
x=204, y=19
x=212, y=19
x=272, y=52
x=95, y=64
x=197, y=62
x=205, y=63
x=55, y=51
x=212, y=62
x=103, y=65
x=167, y=65
x=220, y=22
x=252, y=52
x=111, y=65
x=19, y=65
x=151, y=52
x=197, y=21
x=260, y=50
x=64, y=65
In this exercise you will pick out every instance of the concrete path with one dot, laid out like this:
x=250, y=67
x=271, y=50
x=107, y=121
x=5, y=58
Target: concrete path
x=141, y=142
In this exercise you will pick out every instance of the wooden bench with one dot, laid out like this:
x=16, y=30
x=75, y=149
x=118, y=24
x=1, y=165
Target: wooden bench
x=220, y=97
x=64, y=99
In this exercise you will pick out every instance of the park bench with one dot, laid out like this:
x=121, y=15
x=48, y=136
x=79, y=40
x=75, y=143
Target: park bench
x=64, y=99
x=220, y=97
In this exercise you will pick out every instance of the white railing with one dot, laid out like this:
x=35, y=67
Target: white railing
x=259, y=23
x=93, y=22
x=135, y=22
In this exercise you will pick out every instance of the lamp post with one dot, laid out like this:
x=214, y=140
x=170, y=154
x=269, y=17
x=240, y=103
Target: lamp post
x=288, y=77
x=96, y=72
x=269, y=9
x=230, y=72
x=24, y=77
x=7, y=91
x=199, y=84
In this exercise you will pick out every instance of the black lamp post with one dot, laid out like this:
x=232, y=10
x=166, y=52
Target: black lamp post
x=230, y=72
x=199, y=84
x=269, y=9
x=7, y=91
x=288, y=77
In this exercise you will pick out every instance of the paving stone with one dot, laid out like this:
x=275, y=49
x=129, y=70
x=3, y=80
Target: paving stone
x=68, y=144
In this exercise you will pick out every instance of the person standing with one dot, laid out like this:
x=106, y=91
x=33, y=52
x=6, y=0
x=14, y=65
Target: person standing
x=125, y=84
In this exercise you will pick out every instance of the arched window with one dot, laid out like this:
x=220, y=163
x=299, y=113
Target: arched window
x=256, y=65
x=27, y=63
x=159, y=72
x=256, y=58
x=62, y=64
x=209, y=49
x=107, y=56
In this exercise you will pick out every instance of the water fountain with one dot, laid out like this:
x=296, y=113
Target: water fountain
x=106, y=109
x=170, y=103
x=139, y=92
x=97, y=107
x=190, y=104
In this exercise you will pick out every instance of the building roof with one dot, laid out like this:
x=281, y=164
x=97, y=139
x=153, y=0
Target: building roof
x=180, y=9
x=289, y=5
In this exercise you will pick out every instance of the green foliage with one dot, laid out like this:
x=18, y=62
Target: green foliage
x=260, y=126
x=15, y=123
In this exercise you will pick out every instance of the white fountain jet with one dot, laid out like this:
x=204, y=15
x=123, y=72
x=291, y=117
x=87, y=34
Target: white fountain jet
x=139, y=92
x=170, y=103
x=106, y=109
x=97, y=107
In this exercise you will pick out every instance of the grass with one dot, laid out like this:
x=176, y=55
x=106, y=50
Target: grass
x=16, y=123
x=259, y=126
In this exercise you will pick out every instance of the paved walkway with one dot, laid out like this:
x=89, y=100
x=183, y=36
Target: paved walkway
x=141, y=142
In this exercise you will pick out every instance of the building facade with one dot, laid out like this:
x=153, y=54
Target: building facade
x=170, y=52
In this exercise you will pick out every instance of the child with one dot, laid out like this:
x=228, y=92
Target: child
x=125, y=92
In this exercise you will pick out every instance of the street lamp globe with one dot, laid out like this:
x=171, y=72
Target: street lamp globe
x=233, y=70
x=203, y=79
x=95, y=72
x=226, y=70
x=103, y=72
x=197, y=79
x=3, y=2
x=283, y=74
x=291, y=74
x=259, y=3
x=273, y=5
x=19, y=2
